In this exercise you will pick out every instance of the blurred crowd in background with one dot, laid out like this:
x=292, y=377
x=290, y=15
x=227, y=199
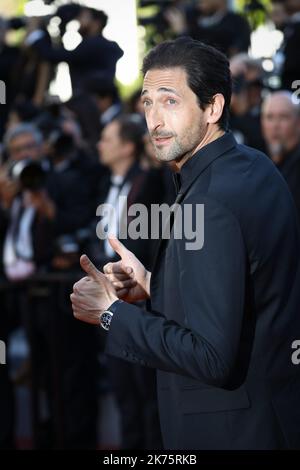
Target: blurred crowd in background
x=60, y=160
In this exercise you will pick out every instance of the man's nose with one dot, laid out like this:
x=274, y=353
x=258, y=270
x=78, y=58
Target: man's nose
x=24, y=155
x=155, y=119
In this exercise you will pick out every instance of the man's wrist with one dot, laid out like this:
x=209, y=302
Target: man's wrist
x=107, y=315
x=114, y=306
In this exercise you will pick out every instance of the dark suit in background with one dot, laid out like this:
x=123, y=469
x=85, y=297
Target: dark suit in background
x=224, y=317
x=290, y=170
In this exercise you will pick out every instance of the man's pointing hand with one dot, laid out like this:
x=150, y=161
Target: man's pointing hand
x=92, y=294
x=128, y=276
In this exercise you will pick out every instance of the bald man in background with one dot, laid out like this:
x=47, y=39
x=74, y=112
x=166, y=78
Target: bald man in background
x=281, y=131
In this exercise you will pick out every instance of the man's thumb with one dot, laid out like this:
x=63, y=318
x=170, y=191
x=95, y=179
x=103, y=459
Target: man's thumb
x=88, y=266
x=117, y=246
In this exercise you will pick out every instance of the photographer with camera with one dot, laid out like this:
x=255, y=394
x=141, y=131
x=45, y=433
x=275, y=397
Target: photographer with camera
x=36, y=72
x=23, y=61
x=46, y=184
x=17, y=243
x=25, y=205
x=245, y=106
x=211, y=22
x=47, y=205
x=93, y=56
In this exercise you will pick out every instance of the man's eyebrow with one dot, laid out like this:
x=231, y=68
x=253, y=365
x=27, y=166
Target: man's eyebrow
x=163, y=90
x=168, y=90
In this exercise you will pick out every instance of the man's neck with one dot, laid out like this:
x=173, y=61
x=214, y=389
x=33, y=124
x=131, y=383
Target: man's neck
x=94, y=32
x=209, y=137
x=121, y=168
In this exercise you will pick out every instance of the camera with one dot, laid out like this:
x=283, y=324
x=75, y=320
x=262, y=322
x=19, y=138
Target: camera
x=157, y=19
x=29, y=174
x=161, y=3
x=66, y=13
x=17, y=23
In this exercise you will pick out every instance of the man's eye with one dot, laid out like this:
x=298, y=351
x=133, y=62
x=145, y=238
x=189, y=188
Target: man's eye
x=171, y=101
x=146, y=103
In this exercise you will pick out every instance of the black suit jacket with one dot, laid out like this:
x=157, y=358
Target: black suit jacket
x=224, y=316
x=290, y=170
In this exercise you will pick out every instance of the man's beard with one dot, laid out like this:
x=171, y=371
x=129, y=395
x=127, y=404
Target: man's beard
x=178, y=150
x=277, y=151
x=277, y=148
x=174, y=152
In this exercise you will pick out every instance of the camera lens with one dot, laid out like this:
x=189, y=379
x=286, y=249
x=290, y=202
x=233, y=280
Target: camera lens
x=29, y=174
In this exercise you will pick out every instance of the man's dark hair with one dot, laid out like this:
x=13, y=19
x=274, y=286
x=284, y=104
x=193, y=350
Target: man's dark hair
x=132, y=129
x=207, y=69
x=97, y=15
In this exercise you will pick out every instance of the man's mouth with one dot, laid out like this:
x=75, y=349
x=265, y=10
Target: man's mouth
x=162, y=140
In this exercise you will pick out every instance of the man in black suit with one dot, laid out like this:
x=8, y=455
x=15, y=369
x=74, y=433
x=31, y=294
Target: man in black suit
x=224, y=313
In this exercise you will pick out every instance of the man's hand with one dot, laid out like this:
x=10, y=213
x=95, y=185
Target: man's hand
x=92, y=294
x=128, y=276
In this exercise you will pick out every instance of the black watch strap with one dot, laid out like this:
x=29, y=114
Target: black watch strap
x=115, y=305
x=106, y=316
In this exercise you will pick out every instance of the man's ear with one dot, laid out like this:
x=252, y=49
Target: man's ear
x=216, y=109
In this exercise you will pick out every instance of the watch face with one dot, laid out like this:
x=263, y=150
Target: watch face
x=105, y=320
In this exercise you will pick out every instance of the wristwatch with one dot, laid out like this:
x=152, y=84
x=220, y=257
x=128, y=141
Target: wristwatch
x=106, y=316
x=105, y=319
